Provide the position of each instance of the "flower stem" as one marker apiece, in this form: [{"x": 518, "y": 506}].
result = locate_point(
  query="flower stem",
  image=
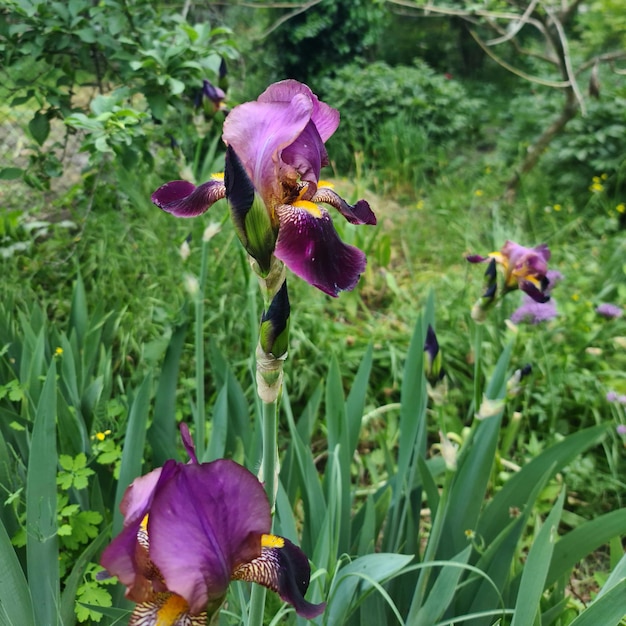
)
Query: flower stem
[
  {"x": 268, "y": 465},
  {"x": 199, "y": 417}
]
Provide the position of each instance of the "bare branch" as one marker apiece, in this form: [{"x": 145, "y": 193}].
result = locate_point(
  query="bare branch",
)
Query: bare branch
[
  {"x": 516, "y": 27},
  {"x": 287, "y": 17},
  {"x": 514, "y": 70},
  {"x": 567, "y": 61}
]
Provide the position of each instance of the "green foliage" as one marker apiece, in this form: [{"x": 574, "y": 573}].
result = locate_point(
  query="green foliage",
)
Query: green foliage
[
  {"x": 338, "y": 31},
  {"x": 146, "y": 63},
  {"x": 378, "y": 100}
]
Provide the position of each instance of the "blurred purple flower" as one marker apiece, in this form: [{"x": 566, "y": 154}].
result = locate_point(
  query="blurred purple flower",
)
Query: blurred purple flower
[
  {"x": 524, "y": 268},
  {"x": 531, "y": 312},
  {"x": 189, "y": 529},
  {"x": 611, "y": 396},
  {"x": 276, "y": 150},
  {"x": 610, "y": 311},
  {"x": 621, "y": 429}
]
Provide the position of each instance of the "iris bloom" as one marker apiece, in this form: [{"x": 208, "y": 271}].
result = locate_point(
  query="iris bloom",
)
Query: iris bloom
[
  {"x": 189, "y": 529},
  {"x": 276, "y": 148},
  {"x": 524, "y": 268}
]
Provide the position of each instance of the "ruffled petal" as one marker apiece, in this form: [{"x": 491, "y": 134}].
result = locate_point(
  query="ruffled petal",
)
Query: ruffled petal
[
  {"x": 310, "y": 247},
  {"x": 259, "y": 132},
  {"x": 283, "y": 568},
  {"x": 360, "y": 213},
  {"x": 183, "y": 199},
  {"x": 325, "y": 118},
  {"x": 205, "y": 522}
]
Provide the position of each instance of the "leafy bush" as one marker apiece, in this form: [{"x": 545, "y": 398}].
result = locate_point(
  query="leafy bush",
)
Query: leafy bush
[
  {"x": 414, "y": 98},
  {"x": 114, "y": 72}
]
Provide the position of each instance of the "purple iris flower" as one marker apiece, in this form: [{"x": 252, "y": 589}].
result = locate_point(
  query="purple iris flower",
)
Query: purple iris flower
[
  {"x": 610, "y": 311},
  {"x": 524, "y": 268},
  {"x": 278, "y": 142},
  {"x": 533, "y": 312},
  {"x": 189, "y": 529}
]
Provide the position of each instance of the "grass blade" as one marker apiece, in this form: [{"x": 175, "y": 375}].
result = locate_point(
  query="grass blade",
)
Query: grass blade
[
  {"x": 536, "y": 568},
  {"x": 162, "y": 435},
  {"x": 16, "y": 605},
  {"x": 42, "y": 548},
  {"x": 607, "y": 610},
  {"x": 583, "y": 541},
  {"x": 134, "y": 443}
]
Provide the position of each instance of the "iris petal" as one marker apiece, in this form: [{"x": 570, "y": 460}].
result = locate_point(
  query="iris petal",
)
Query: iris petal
[
  {"x": 283, "y": 568},
  {"x": 360, "y": 213},
  {"x": 205, "y": 522},
  {"x": 307, "y": 155},
  {"x": 310, "y": 247},
  {"x": 259, "y": 132},
  {"x": 183, "y": 199},
  {"x": 123, "y": 557},
  {"x": 325, "y": 118}
]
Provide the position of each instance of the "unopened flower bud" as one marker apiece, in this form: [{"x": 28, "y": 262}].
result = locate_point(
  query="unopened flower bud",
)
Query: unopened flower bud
[
  {"x": 432, "y": 358},
  {"x": 210, "y": 231},
  {"x": 249, "y": 213},
  {"x": 274, "y": 331},
  {"x": 489, "y": 408},
  {"x": 185, "y": 249},
  {"x": 192, "y": 286},
  {"x": 448, "y": 452}
]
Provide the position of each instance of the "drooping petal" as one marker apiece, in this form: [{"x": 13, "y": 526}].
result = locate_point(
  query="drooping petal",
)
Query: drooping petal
[
  {"x": 183, "y": 199},
  {"x": 283, "y": 568},
  {"x": 259, "y": 132},
  {"x": 360, "y": 213},
  {"x": 310, "y": 247},
  {"x": 204, "y": 522},
  {"x": 165, "y": 609}
]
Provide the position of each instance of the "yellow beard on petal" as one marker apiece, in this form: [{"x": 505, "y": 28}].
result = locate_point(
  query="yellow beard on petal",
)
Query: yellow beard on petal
[
  {"x": 272, "y": 541},
  {"x": 309, "y": 207}
]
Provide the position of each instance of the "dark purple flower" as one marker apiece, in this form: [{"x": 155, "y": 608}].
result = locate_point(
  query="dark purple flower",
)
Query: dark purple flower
[
  {"x": 610, "y": 311},
  {"x": 524, "y": 268},
  {"x": 189, "y": 529},
  {"x": 276, "y": 150}
]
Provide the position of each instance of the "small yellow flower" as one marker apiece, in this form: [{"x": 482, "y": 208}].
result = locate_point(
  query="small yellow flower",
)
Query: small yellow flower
[
  {"x": 621, "y": 207},
  {"x": 557, "y": 207},
  {"x": 479, "y": 192},
  {"x": 575, "y": 297},
  {"x": 101, "y": 436},
  {"x": 604, "y": 176},
  {"x": 58, "y": 351},
  {"x": 596, "y": 187},
  {"x": 470, "y": 534},
  {"x": 419, "y": 205},
  {"x": 487, "y": 170}
]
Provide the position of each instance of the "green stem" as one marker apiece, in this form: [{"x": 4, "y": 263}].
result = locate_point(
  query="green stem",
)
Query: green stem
[
  {"x": 268, "y": 465},
  {"x": 199, "y": 418},
  {"x": 478, "y": 346}
]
